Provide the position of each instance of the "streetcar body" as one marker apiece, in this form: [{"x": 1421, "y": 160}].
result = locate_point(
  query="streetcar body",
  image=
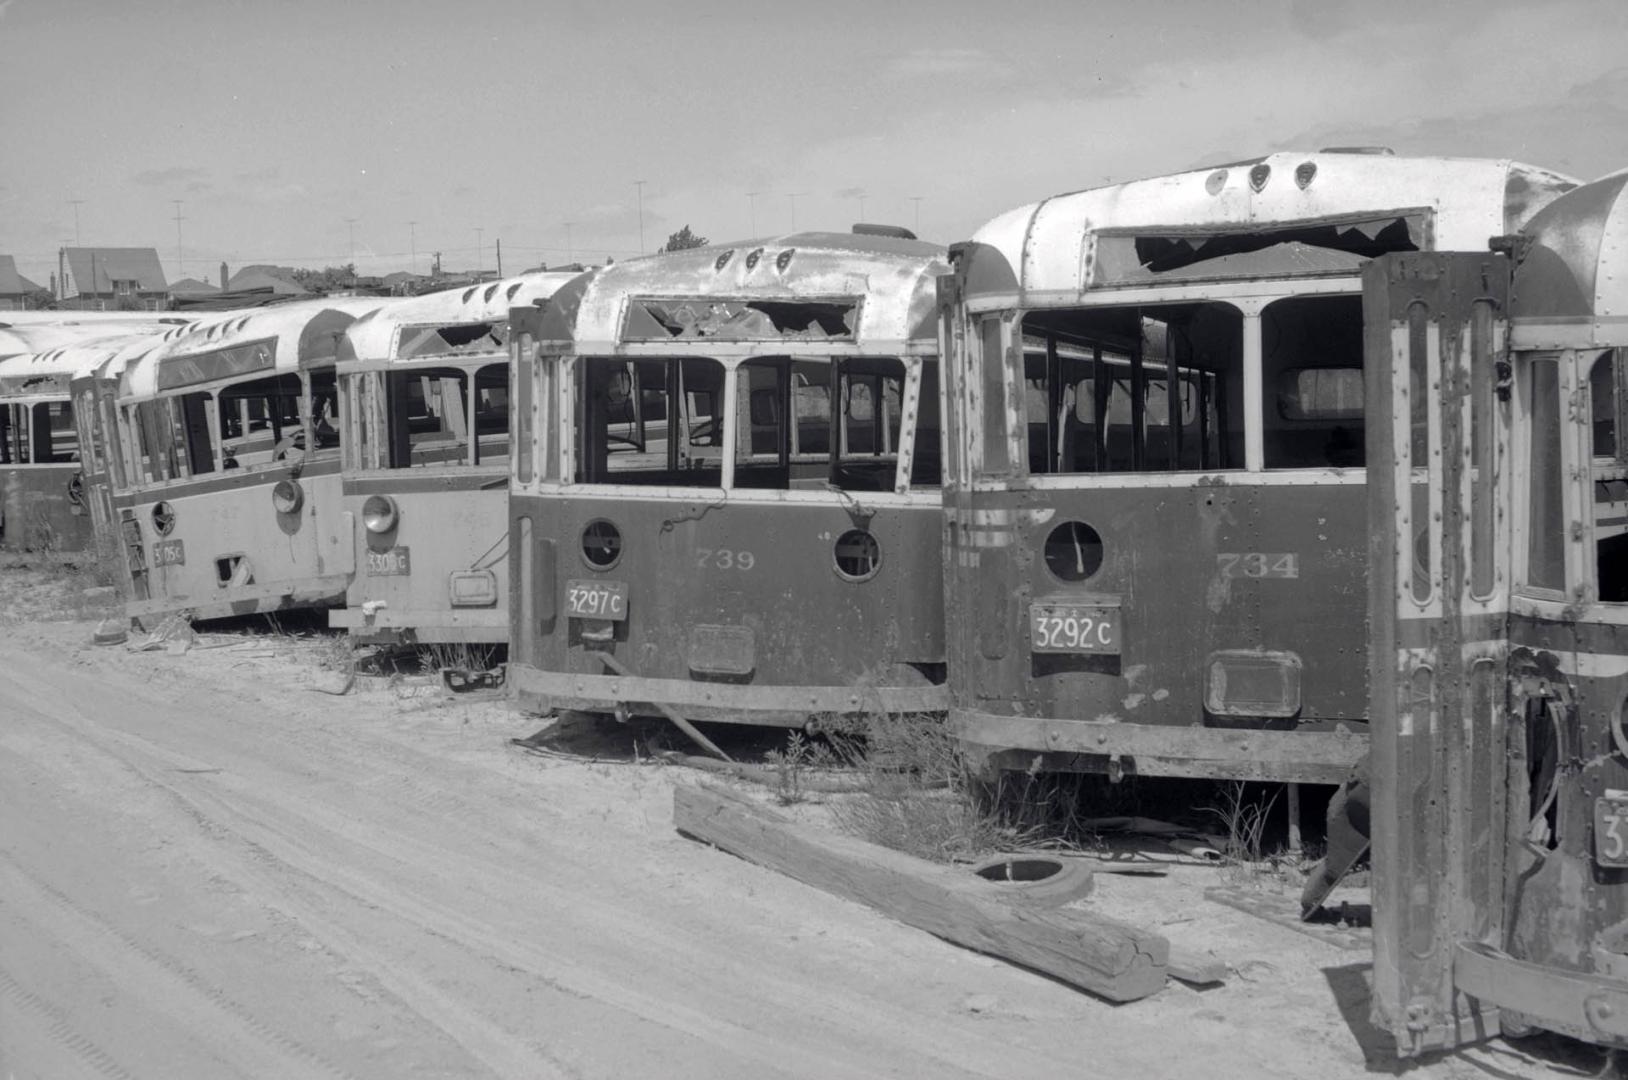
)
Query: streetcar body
[
  {"x": 729, "y": 506},
  {"x": 1156, "y": 519},
  {"x": 426, "y": 385},
  {"x": 229, "y": 500},
  {"x": 1499, "y": 661}
]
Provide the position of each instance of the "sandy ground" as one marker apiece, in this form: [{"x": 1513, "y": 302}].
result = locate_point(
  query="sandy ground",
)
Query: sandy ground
[{"x": 209, "y": 870}]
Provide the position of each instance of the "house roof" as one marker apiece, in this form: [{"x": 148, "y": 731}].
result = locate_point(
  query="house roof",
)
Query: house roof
[
  {"x": 192, "y": 285},
  {"x": 114, "y": 264},
  {"x": 11, "y": 282},
  {"x": 260, "y": 277}
]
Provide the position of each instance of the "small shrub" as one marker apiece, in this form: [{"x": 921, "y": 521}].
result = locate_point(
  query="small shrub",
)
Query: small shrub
[
  {"x": 792, "y": 764},
  {"x": 1245, "y": 820}
]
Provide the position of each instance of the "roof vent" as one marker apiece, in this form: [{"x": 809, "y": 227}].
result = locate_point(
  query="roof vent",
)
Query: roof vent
[
  {"x": 1383, "y": 151},
  {"x": 897, "y": 232}
]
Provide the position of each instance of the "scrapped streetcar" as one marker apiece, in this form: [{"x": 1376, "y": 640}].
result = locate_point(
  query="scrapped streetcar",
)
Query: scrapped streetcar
[
  {"x": 725, "y": 503},
  {"x": 1156, "y": 519},
  {"x": 228, "y": 495},
  {"x": 44, "y": 498},
  {"x": 1499, "y": 596},
  {"x": 426, "y": 387}
]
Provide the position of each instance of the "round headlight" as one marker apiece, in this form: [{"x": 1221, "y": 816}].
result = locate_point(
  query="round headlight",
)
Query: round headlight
[
  {"x": 601, "y": 544},
  {"x": 287, "y": 496},
  {"x": 1073, "y": 551},
  {"x": 379, "y": 513}
]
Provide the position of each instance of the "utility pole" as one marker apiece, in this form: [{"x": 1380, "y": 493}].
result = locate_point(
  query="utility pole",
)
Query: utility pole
[
  {"x": 751, "y": 202},
  {"x": 570, "y": 251},
  {"x": 351, "y": 223},
  {"x": 639, "y": 185},
  {"x": 479, "y": 250},
  {"x": 412, "y": 243},
  {"x": 794, "y": 196},
  {"x": 75, "y": 203},
  {"x": 179, "y": 273},
  {"x": 499, "y": 243},
  {"x": 917, "y": 200}
]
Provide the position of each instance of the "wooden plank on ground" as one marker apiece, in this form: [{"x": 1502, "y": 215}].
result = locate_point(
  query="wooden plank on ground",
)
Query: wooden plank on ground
[
  {"x": 1107, "y": 957},
  {"x": 1285, "y": 911}
]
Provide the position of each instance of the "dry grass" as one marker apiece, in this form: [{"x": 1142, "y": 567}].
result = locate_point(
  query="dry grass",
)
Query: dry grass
[{"x": 919, "y": 797}]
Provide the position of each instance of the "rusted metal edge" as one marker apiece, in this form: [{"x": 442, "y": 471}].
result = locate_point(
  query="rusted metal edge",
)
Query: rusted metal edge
[
  {"x": 610, "y": 690},
  {"x": 1589, "y": 1007},
  {"x": 248, "y": 600},
  {"x": 1317, "y": 757}
]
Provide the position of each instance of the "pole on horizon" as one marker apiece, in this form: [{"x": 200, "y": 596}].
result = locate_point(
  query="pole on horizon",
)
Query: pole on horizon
[
  {"x": 639, "y": 186},
  {"x": 179, "y": 271}
]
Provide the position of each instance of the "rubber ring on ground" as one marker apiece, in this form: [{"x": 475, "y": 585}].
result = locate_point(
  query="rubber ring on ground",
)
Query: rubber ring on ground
[{"x": 1038, "y": 879}]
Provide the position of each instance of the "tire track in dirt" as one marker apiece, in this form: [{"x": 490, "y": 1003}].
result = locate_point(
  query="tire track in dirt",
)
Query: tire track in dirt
[
  {"x": 953, "y": 1051},
  {"x": 151, "y": 967},
  {"x": 494, "y": 1047},
  {"x": 276, "y": 845},
  {"x": 56, "y": 1025}
]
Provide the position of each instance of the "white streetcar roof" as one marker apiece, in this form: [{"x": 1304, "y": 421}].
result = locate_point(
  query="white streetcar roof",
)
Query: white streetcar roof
[
  {"x": 377, "y": 336},
  {"x": 1112, "y": 235},
  {"x": 264, "y": 341}
]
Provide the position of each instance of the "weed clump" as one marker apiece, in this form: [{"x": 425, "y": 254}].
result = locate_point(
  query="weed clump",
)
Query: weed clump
[{"x": 919, "y": 797}]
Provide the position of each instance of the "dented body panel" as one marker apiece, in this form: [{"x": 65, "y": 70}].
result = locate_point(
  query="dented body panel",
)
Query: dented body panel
[
  {"x": 427, "y": 389},
  {"x": 229, "y": 503},
  {"x": 1156, "y": 388},
  {"x": 683, "y": 484}
]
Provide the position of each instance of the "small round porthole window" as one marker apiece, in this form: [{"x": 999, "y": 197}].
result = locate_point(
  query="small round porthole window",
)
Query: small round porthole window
[
  {"x": 858, "y": 555},
  {"x": 1073, "y": 551},
  {"x": 601, "y": 544},
  {"x": 163, "y": 518}
]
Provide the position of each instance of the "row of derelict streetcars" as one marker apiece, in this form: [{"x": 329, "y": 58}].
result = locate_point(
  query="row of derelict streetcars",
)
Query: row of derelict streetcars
[{"x": 1231, "y": 473}]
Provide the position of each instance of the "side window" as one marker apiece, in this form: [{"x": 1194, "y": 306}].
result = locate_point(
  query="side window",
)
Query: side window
[
  {"x": 200, "y": 439},
  {"x": 1610, "y": 478},
  {"x": 259, "y": 422},
  {"x": 926, "y": 463},
  {"x": 161, "y": 439},
  {"x": 1602, "y": 387},
  {"x": 1311, "y": 364},
  {"x": 1545, "y": 555},
  {"x": 492, "y": 415},
  {"x": 324, "y": 409},
  {"x": 649, "y": 422},
  {"x": 1129, "y": 389},
  {"x": 428, "y": 410}
]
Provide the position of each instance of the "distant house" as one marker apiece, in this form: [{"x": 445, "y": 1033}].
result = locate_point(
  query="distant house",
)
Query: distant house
[
  {"x": 192, "y": 287},
  {"x": 113, "y": 279},
  {"x": 265, "y": 277},
  {"x": 14, "y": 288}
]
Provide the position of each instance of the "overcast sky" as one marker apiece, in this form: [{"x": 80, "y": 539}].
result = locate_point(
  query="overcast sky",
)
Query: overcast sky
[{"x": 275, "y": 121}]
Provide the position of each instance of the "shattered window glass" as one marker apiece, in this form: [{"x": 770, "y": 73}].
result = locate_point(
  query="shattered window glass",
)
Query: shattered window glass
[{"x": 740, "y": 320}]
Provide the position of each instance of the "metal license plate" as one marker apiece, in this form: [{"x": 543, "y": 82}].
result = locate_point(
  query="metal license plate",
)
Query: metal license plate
[
  {"x": 596, "y": 600},
  {"x": 169, "y": 553},
  {"x": 1073, "y": 628},
  {"x": 1611, "y": 832},
  {"x": 394, "y": 561}
]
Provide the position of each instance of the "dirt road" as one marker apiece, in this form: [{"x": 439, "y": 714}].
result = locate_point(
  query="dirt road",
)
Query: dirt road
[{"x": 207, "y": 870}]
